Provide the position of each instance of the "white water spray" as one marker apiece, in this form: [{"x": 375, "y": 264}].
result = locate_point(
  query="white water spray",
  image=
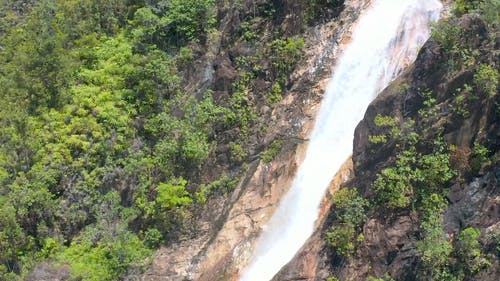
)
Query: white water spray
[{"x": 386, "y": 39}]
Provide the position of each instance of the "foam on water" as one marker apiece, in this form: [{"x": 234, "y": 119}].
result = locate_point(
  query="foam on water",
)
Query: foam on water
[{"x": 386, "y": 40}]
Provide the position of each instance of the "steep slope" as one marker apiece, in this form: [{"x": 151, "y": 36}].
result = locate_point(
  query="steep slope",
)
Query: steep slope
[
  {"x": 127, "y": 125},
  {"x": 426, "y": 160},
  {"x": 221, "y": 249}
]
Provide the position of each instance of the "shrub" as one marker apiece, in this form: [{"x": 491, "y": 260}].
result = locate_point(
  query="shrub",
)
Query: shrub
[
  {"x": 486, "y": 80},
  {"x": 349, "y": 207},
  {"x": 223, "y": 185},
  {"x": 393, "y": 186},
  {"x": 238, "y": 153},
  {"x": 188, "y": 20},
  {"x": 152, "y": 237},
  {"x": 284, "y": 55},
  {"x": 479, "y": 156},
  {"x": 341, "y": 237},
  {"x": 412, "y": 177},
  {"x": 446, "y": 34},
  {"x": 166, "y": 198},
  {"x": 377, "y": 139},
  {"x": 462, "y": 7},
  {"x": 271, "y": 152},
  {"x": 489, "y": 11},
  {"x": 274, "y": 96},
  {"x": 184, "y": 57},
  {"x": 194, "y": 148},
  {"x": 459, "y": 106},
  {"x": 106, "y": 260},
  {"x": 387, "y": 122},
  {"x": 469, "y": 251}
]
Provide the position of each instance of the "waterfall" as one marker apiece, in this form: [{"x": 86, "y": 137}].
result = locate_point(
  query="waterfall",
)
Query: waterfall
[{"x": 386, "y": 40}]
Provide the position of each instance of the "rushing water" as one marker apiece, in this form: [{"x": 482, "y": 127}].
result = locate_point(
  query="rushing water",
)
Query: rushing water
[{"x": 386, "y": 39}]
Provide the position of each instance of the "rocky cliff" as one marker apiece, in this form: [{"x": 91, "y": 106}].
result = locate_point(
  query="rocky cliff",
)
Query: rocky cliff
[
  {"x": 441, "y": 99},
  {"x": 227, "y": 227}
]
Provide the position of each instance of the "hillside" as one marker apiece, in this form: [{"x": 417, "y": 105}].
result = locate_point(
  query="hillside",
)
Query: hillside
[
  {"x": 152, "y": 140},
  {"x": 122, "y": 120}
]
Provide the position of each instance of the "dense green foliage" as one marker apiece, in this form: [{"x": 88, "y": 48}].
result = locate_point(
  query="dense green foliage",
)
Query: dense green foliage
[
  {"x": 489, "y": 9},
  {"x": 102, "y": 146},
  {"x": 98, "y": 136},
  {"x": 413, "y": 177}
]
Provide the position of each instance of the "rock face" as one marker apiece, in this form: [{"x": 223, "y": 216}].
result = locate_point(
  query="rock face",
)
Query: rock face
[
  {"x": 227, "y": 228},
  {"x": 390, "y": 236}
]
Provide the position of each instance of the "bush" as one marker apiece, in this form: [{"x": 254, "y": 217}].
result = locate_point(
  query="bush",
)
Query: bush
[
  {"x": 349, "y": 207},
  {"x": 341, "y": 237},
  {"x": 271, "y": 152},
  {"x": 223, "y": 185},
  {"x": 274, "y": 96},
  {"x": 165, "y": 204},
  {"x": 393, "y": 186},
  {"x": 106, "y": 260},
  {"x": 447, "y": 35},
  {"x": 180, "y": 21},
  {"x": 462, "y": 7},
  {"x": 350, "y": 210},
  {"x": 284, "y": 55},
  {"x": 489, "y": 11},
  {"x": 413, "y": 177},
  {"x": 194, "y": 148},
  {"x": 238, "y": 153},
  {"x": 152, "y": 237},
  {"x": 391, "y": 124},
  {"x": 486, "y": 80},
  {"x": 479, "y": 157},
  {"x": 377, "y": 139},
  {"x": 469, "y": 251}
]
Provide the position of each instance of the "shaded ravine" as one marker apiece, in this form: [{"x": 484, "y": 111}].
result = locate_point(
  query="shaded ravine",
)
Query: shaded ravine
[{"x": 385, "y": 41}]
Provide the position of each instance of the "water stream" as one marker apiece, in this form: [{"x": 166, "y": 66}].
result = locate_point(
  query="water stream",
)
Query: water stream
[{"x": 385, "y": 40}]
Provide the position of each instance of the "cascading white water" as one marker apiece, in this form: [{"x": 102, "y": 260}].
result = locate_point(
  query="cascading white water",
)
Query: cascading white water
[{"x": 385, "y": 40}]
